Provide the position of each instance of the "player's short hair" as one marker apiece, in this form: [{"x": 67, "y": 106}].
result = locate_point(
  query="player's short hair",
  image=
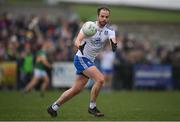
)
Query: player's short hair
[{"x": 102, "y": 8}]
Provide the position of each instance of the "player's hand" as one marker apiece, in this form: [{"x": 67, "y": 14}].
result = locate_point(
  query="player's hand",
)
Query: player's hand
[
  {"x": 81, "y": 48},
  {"x": 114, "y": 45}
]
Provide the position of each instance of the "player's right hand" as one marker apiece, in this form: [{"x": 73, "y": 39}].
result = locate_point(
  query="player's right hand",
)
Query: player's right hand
[{"x": 81, "y": 48}]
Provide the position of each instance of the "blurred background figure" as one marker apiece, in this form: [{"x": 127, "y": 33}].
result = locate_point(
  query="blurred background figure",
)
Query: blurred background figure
[
  {"x": 41, "y": 63},
  {"x": 26, "y": 64},
  {"x": 107, "y": 64}
]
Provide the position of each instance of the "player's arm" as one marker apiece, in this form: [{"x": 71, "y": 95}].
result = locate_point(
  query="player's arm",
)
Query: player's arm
[
  {"x": 113, "y": 43},
  {"x": 44, "y": 61},
  {"x": 78, "y": 41},
  {"x": 112, "y": 39}
]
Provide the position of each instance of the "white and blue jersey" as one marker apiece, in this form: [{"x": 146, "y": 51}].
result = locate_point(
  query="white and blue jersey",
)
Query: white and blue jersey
[{"x": 93, "y": 46}]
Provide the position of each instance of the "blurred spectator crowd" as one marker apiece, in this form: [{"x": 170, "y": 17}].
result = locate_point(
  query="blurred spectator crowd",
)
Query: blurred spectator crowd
[
  {"x": 143, "y": 52},
  {"x": 27, "y": 33},
  {"x": 18, "y": 34},
  {"x": 22, "y": 36}
]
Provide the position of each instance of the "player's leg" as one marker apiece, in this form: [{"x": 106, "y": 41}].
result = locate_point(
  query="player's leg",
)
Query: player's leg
[
  {"x": 109, "y": 80},
  {"x": 105, "y": 81},
  {"x": 98, "y": 77},
  {"x": 108, "y": 73},
  {"x": 36, "y": 77},
  {"x": 78, "y": 85},
  {"x": 44, "y": 85},
  {"x": 31, "y": 84},
  {"x": 45, "y": 82}
]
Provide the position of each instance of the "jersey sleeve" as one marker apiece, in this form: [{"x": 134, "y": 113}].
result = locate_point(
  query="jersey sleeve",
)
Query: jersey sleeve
[
  {"x": 81, "y": 31},
  {"x": 112, "y": 34}
]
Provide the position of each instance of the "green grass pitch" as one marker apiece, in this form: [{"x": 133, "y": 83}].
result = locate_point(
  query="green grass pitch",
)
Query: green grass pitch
[
  {"x": 117, "y": 105},
  {"x": 119, "y": 14},
  {"x": 127, "y": 14}
]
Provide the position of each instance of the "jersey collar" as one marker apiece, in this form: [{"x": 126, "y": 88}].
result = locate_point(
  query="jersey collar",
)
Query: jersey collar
[{"x": 98, "y": 25}]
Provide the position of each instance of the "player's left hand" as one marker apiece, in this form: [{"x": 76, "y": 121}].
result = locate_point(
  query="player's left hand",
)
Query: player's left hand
[{"x": 114, "y": 45}]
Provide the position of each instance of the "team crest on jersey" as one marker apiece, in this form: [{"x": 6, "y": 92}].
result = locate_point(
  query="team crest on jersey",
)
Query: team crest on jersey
[{"x": 105, "y": 32}]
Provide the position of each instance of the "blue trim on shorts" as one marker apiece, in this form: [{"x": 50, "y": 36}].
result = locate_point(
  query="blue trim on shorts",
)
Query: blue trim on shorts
[{"x": 82, "y": 63}]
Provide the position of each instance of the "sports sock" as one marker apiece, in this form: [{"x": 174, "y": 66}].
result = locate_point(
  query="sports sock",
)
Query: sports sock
[
  {"x": 55, "y": 106},
  {"x": 92, "y": 104}
]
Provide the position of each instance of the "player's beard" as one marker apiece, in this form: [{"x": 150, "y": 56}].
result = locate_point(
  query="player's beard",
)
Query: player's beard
[{"x": 102, "y": 23}]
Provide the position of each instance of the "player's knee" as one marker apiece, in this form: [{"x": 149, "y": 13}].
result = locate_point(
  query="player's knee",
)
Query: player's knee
[
  {"x": 101, "y": 80},
  {"x": 76, "y": 90}
]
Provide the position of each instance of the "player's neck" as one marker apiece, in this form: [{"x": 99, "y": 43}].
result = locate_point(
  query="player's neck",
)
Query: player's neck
[{"x": 100, "y": 26}]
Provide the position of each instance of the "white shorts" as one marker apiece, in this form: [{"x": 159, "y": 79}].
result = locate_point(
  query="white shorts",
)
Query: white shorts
[{"x": 39, "y": 73}]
